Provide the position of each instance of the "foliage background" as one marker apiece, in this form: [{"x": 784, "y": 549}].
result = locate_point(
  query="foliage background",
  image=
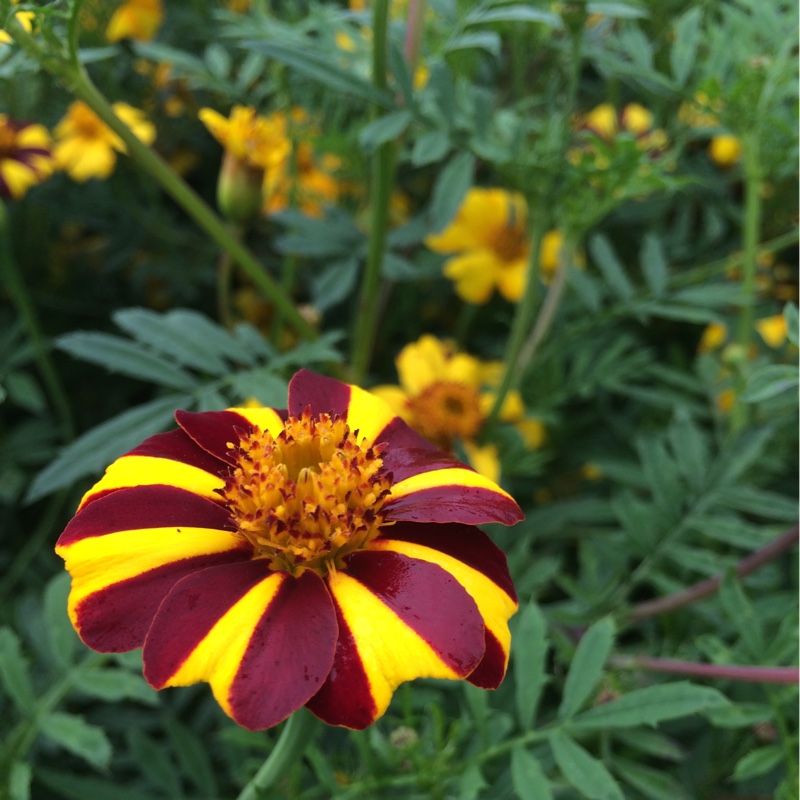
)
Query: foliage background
[{"x": 664, "y": 463}]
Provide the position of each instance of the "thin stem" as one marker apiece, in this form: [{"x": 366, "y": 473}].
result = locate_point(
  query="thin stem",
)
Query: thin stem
[
  {"x": 727, "y": 672},
  {"x": 15, "y": 285},
  {"x": 707, "y": 587},
  {"x": 380, "y": 192},
  {"x": 414, "y": 26},
  {"x": 295, "y": 737}
]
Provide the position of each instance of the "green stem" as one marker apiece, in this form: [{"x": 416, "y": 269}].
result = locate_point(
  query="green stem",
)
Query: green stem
[
  {"x": 15, "y": 285},
  {"x": 753, "y": 184},
  {"x": 787, "y": 740},
  {"x": 75, "y": 78},
  {"x": 380, "y": 192},
  {"x": 295, "y": 736}
]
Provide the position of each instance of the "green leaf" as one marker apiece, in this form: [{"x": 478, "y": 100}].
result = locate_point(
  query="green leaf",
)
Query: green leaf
[
  {"x": 113, "y": 685},
  {"x": 761, "y": 502},
  {"x": 651, "y": 742},
  {"x": 14, "y": 672},
  {"x": 529, "y": 653},
  {"x": 471, "y": 783},
  {"x": 770, "y": 381},
  {"x": 193, "y": 757},
  {"x": 334, "y": 283},
  {"x": 741, "y": 613},
  {"x": 652, "y": 783},
  {"x": 740, "y": 715},
  {"x": 19, "y": 782},
  {"x": 792, "y": 323},
  {"x": 685, "y": 38},
  {"x": 606, "y": 259},
  {"x": 654, "y": 264},
  {"x": 675, "y": 311},
  {"x": 125, "y": 357},
  {"x": 758, "y": 762},
  {"x": 62, "y": 638},
  {"x": 480, "y": 40},
  {"x": 384, "y": 129},
  {"x": 651, "y": 705},
  {"x": 515, "y": 13},
  {"x": 530, "y": 782},
  {"x": 67, "y": 784},
  {"x": 25, "y": 392},
  {"x": 154, "y": 762},
  {"x": 618, "y": 10},
  {"x": 587, "y": 665},
  {"x": 261, "y": 384},
  {"x": 430, "y": 146},
  {"x": 77, "y": 736},
  {"x": 215, "y": 339},
  {"x": 690, "y": 449},
  {"x": 97, "y": 448},
  {"x": 318, "y": 67},
  {"x": 587, "y": 288},
  {"x": 450, "y": 188},
  {"x": 582, "y": 770}
]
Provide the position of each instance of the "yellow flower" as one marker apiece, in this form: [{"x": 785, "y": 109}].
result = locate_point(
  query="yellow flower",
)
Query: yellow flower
[
  {"x": 489, "y": 245},
  {"x": 446, "y": 396},
  {"x": 25, "y": 156},
  {"x": 135, "y": 19},
  {"x": 725, "y": 150},
  {"x": 87, "y": 148},
  {"x": 773, "y": 330},
  {"x": 714, "y": 336},
  {"x": 603, "y": 121},
  {"x": 25, "y": 18}
]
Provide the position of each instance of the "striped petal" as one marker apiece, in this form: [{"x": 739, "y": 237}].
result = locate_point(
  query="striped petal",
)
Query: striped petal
[
  {"x": 172, "y": 459},
  {"x": 125, "y": 552},
  {"x": 264, "y": 640},
  {"x": 399, "y": 618},
  {"x": 480, "y": 567}
]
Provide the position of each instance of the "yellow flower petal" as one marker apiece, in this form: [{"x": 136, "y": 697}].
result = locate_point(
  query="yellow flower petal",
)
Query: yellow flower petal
[
  {"x": 484, "y": 460},
  {"x": 773, "y": 330}
]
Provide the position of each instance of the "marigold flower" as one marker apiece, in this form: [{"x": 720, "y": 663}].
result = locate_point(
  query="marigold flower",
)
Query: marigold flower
[
  {"x": 135, "y": 19},
  {"x": 714, "y": 336},
  {"x": 319, "y": 555},
  {"x": 25, "y": 156},
  {"x": 725, "y": 150},
  {"x": 773, "y": 330},
  {"x": 87, "y": 148},
  {"x": 489, "y": 245}
]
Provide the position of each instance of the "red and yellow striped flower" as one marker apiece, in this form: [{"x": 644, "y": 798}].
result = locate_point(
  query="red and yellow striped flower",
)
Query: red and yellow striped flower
[
  {"x": 26, "y": 156},
  {"x": 319, "y": 556}
]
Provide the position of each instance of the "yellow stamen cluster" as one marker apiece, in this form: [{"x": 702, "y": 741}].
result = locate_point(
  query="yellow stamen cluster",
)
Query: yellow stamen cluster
[
  {"x": 447, "y": 410},
  {"x": 308, "y": 497}
]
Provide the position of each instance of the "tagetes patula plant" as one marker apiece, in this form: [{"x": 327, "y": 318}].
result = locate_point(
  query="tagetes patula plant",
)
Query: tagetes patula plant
[
  {"x": 315, "y": 556},
  {"x": 26, "y": 156},
  {"x": 135, "y": 19},
  {"x": 724, "y": 149},
  {"x": 488, "y": 245},
  {"x": 87, "y": 148},
  {"x": 446, "y": 396}
]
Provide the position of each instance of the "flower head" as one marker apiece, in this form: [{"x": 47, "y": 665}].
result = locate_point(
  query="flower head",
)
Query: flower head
[
  {"x": 488, "y": 243},
  {"x": 25, "y": 156},
  {"x": 87, "y": 148},
  {"x": 319, "y": 556},
  {"x": 135, "y": 19}
]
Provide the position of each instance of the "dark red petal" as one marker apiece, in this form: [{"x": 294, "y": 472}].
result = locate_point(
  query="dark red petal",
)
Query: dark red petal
[
  {"x": 116, "y": 619},
  {"x": 490, "y": 672},
  {"x": 289, "y": 657},
  {"x": 214, "y": 430},
  {"x": 135, "y": 507},
  {"x": 470, "y": 505},
  {"x": 407, "y": 453},
  {"x": 190, "y": 610},
  {"x": 177, "y": 446},
  {"x": 345, "y": 698},
  {"x": 468, "y": 544},
  {"x": 324, "y": 395}
]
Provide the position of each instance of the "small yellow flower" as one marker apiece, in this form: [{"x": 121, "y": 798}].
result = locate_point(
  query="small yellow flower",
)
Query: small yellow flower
[
  {"x": 713, "y": 337},
  {"x": 87, "y": 148},
  {"x": 488, "y": 244},
  {"x": 135, "y": 19},
  {"x": 725, "y": 150},
  {"x": 25, "y": 156},
  {"x": 773, "y": 330},
  {"x": 603, "y": 121},
  {"x": 725, "y": 401}
]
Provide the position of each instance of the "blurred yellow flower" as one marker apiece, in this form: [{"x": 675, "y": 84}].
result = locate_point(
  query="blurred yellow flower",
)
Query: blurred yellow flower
[
  {"x": 446, "y": 396},
  {"x": 489, "y": 245},
  {"x": 87, "y": 148},
  {"x": 773, "y": 330},
  {"x": 713, "y": 337},
  {"x": 604, "y": 121},
  {"x": 25, "y": 156},
  {"x": 135, "y": 19},
  {"x": 725, "y": 150}
]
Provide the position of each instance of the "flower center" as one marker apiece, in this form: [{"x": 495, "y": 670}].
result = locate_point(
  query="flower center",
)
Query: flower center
[
  {"x": 8, "y": 141},
  {"x": 446, "y": 410},
  {"x": 510, "y": 242},
  {"x": 308, "y": 497}
]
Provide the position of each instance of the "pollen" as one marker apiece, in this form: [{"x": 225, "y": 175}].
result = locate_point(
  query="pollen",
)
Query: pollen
[
  {"x": 447, "y": 410},
  {"x": 309, "y": 496}
]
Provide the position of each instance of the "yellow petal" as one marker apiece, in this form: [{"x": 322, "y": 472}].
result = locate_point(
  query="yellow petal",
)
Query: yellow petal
[
  {"x": 484, "y": 459},
  {"x": 474, "y": 274}
]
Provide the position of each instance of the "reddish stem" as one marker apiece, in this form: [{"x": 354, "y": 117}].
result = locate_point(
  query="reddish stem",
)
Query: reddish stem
[{"x": 730, "y": 672}]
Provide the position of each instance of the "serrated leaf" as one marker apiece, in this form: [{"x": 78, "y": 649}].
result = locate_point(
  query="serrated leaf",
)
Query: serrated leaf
[
  {"x": 758, "y": 762},
  {"x": 113, "y": 685},
  {"x": 77, "y": 736},
  {"x": 261, "y": 384},
  {"x": 587, "y": 666},
  {"x": 527, "y": 777},
  {"x": 651, "y": 705},
  {"x": 741, "y": 614},
  {"x": 62, "y": 638},
  {"x": 588, "y": 775},
  {"x": 652, "y": 783},
  {"x": 654, "y": 264},
  {"x": 685, "y": 39},
  {"x": 770, "y": 381},
  {"x": 14, "y": 672},
  {"x": 214, "y": 338},
  {"x": 529, "y": 653},
  {"x": 318, "y": 67},
  {"x": 689, "y": 448},
  {"x": 98, "y": 447},
  {"x": 193, "y": 757},
  {"x": 606, "y": 259},
  {"x": 384, "y": 129},
  {"x": 450, "y": 188},
  {"x": 652, "y": 743},
  {"x": 761, "y": 502},
  {"x": 334, "y": 283},
  {"x": 125, "y": 357}
]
